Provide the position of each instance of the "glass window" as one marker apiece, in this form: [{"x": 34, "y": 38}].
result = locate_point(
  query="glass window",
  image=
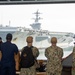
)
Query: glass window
[{"x": 42, "y": 21}]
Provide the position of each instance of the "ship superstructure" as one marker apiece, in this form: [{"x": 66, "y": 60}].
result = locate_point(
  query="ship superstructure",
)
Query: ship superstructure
[
  {"x": 36, "y": 25},
  {"x": 7, "y": 29}
]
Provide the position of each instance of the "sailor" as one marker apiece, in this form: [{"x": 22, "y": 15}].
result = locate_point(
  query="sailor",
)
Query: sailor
[
  {"x": 54, "y": 56},
  {"x": 0, "y": 43},
  {"x": 0, "y": 40},
  {"x": 8, "y": 51},
  {"x": 28, "y": 55},
  {"x": 73, "y": 61},
  {"x": 0, "y": 53}
]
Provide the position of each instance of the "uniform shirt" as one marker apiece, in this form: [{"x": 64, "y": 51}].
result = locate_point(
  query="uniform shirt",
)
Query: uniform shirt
[
  {"x": 0, "y": 46},
  {"x": 73, "y": 59},
  {"x": 8, "y": 49},
  {"x": 54, "y": 57}
]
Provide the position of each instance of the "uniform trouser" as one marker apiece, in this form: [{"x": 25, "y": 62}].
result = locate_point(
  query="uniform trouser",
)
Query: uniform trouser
[
  {"x": 73, "y": 72},
  {"x": 56, "y": 73},
  {"x": 8, "y": 70},
  {"x": 0, "y": 68},
  {"x": 28, "y": 71}
]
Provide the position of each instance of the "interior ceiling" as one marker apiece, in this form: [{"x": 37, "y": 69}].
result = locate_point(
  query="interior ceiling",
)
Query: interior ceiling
[{"x": 34, "y": 1}]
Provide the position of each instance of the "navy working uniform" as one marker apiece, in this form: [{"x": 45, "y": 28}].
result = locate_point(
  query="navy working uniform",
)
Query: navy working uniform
[
  {"x": 8, "y": 50},
  {"x": 0, "y": 53}
]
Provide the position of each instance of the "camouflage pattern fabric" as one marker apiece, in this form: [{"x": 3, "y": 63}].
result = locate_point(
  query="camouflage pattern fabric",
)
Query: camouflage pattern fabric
[
  {"x": 31, "y": 70},
  {"x": 73, "y": 62},
  {"x": 54, "y": 57},
  {"x": 73, "y": 72},
  {"x": 28, "y": 71}
]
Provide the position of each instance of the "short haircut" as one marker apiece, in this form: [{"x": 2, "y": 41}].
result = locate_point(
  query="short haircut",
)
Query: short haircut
[
  {"x": 9, "y": 36},
  {"x": 29, "y": 39}
]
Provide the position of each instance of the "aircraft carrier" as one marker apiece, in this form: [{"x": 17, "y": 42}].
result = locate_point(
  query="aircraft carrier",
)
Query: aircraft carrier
[
  {"x": 42, "y": 40},
  {"x": 41, "y": 37}
]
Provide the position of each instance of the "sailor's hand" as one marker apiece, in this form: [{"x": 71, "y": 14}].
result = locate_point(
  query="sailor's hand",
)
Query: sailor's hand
[{"x": 24, "y": 55}]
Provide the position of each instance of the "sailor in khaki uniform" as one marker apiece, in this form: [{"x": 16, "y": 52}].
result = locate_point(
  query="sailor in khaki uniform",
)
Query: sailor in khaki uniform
[
  {"x": 29, "y": 53},
  {"x": 54, "y": 56}
]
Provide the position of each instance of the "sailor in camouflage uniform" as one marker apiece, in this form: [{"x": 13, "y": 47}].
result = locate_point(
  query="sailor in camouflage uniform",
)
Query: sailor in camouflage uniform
[
  {"x": 54, "y": 56},
  {"x": 31, "y": 70},
  {"x": 73, "y": 61}
]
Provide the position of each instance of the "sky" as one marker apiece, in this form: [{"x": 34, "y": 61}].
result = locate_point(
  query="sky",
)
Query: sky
[{"x": 55, "y": 17}]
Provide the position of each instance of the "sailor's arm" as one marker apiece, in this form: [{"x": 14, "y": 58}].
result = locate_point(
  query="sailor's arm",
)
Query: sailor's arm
[
  {"x": 17, "y": 60},
  {"x": 61, "y": 53},
  {"x": 35, "y": 52},
  {"x": 46, "y": 53},
  {"x": 0, "y": 55},
  {"x": 73, "y": 54},
  {"x": 16, "y": 56}
]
